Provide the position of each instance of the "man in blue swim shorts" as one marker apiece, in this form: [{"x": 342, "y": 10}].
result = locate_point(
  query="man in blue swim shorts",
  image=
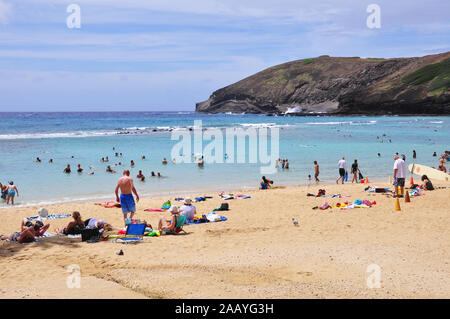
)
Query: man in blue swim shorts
[{"x": 126, "y": 186}]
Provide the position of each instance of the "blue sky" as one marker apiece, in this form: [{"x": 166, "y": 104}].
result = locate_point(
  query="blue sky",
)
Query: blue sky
[{"x": 169, "y": 54}]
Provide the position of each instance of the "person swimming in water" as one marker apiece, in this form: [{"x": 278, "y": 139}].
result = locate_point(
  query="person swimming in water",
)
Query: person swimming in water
[
  {"x": 67, "y": 170},
  {"x": 110, "y": 170},
  {"x": 79, "y": 170},
  {"x": 140, "y": 176},
  {"x": 12, "y": 191}
]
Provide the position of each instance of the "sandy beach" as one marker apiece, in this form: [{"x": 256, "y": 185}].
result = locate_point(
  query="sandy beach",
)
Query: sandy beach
[{"x": 256, "y": 253}]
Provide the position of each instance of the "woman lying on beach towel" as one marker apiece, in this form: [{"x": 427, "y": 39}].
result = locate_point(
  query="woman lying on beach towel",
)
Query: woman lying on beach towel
[
  {"x": 28, "y": 233},
  {"x": 109, "y": 204},
  {"x": 96, "y": 223},
  {"x": 73, "y": 228}
]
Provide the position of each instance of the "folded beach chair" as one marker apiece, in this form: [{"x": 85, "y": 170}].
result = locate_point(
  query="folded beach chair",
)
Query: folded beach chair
[
  {"x": 135, "y": 233},
  {"x": 178, "y": 227}
]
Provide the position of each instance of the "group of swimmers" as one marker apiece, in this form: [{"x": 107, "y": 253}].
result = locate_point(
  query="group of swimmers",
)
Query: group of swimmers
[
  {"x": 284, "y": 163},
  {"x": 444, "y": 158}
]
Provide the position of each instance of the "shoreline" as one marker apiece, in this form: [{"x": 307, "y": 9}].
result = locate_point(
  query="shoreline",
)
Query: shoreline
[{"x": 100, "y": 197}]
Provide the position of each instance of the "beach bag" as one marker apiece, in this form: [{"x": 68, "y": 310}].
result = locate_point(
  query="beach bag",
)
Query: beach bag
[
  {"x": 75, "y": 230},
  {"x": 223, "y": 206},
  {"x": 90, "y": 234},
  {"x": 361, "y": 176}
]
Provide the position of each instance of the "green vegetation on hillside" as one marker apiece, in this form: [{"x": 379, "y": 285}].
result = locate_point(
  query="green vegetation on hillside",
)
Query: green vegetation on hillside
[
  {"x": 308, "y": 61},
  {"x": 437, "y": 73}
]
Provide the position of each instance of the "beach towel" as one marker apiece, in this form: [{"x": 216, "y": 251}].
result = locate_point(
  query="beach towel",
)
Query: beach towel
[
  {"x": 222, "y": 207},
  {"x": 166, "y": 205},
  {"x": 206, "y": 220},
  {"x": 153, "y": 210},
  {"x": 50, "y": 217}
]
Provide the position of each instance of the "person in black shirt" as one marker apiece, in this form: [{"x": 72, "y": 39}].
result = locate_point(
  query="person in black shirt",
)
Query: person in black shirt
[{"x": 355, "y": 171}]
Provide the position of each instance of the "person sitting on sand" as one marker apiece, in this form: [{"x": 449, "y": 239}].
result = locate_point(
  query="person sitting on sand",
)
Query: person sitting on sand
[
  {"x": 11, "y": 191},
  {"x": 164, "y": 161},
  {"x": 426, "y": 185},
  {"x": 28, "y": 232},
  {"x": 73, "y": 228},
  {"x": 265, "y": 183},
  {"x": 67, "y": 170},
  {"x": 188, "y": 209},
  {"x": 169, "y": 224}
]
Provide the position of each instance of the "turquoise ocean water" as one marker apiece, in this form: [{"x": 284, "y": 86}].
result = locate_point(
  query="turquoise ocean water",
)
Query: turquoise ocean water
[{"x": 90, "y": 136}]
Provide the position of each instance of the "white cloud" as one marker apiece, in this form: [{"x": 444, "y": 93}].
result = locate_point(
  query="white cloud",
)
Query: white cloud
[{"x": 5, "y": 12}]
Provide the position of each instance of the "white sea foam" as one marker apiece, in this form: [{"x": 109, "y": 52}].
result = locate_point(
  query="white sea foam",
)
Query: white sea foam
[{"x": 56, "y": 135}]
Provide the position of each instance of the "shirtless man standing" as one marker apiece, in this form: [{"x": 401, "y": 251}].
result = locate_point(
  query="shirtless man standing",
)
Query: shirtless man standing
[{"x": 126, "y": 186}]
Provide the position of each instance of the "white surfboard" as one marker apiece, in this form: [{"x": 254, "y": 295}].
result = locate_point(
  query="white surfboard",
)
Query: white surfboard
[{"x": 432, "y": 173}]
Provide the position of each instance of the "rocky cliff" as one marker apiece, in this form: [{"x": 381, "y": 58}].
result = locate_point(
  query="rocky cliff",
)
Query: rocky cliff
[{"x": 329, "y": 85}]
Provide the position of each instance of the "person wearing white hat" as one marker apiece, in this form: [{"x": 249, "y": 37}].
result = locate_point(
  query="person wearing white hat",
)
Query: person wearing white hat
[
  {"x": 169, "y": 224},
  {"x": 43, "y": 212},
  {"x": 188, "y": 209}
]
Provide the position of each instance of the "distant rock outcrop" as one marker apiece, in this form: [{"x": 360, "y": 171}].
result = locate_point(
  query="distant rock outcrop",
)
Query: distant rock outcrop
[{"x": 329, "y": 85}]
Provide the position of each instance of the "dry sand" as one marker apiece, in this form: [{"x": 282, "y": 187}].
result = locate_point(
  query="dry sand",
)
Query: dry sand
[{"x": 257, "y": 253}]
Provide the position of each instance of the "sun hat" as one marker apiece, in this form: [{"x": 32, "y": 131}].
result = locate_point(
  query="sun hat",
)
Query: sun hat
[
  {"x": 187, "y": 201},
  {"x": 173, "y": 209},
  {"x": 43, "y": 212}
]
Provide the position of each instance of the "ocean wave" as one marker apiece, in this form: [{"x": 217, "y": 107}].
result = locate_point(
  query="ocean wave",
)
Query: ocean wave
[
  {"x": 135, "y": 130},
  {"x": 76, "y": 134},
  {"x": 342, "y": 123}
]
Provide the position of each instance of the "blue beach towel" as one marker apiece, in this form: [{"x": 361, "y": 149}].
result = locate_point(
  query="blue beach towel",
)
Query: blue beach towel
[{"x": 50, "y": 217}]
